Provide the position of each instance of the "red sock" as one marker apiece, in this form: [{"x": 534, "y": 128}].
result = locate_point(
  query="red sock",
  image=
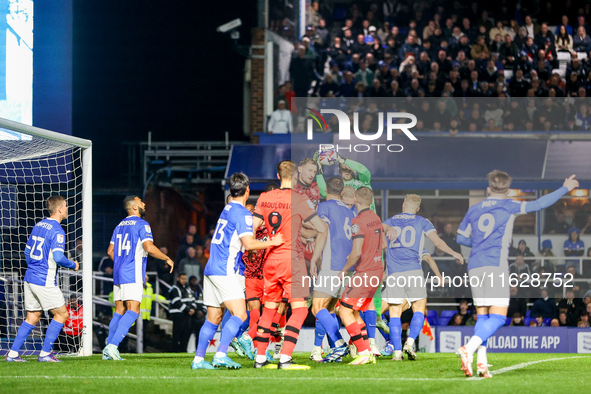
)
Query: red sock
[
  {"x": 275, "y": 325},
  {"x": 363, "y": 329},
  {"x": 265, "y": 326},
  {"x": 282, "y": 320},
  {"x": 255, "y": 315},
  {"x": 292, "y": 329},
  {"x": 355, "y": 332}
]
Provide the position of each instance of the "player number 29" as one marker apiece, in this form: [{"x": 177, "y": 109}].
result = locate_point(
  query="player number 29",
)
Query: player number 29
[{"x": 486, "y": 224}]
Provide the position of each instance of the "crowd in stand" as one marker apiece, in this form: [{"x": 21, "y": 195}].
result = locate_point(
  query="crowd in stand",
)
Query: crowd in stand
[{"x": 446, "y": 50}]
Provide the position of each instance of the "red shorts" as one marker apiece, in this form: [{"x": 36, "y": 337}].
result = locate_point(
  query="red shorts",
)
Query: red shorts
[
  {"x": 359, "y": 293},
  {"x": 285, "y": 280},
  {"x": 255, "y": 289}
]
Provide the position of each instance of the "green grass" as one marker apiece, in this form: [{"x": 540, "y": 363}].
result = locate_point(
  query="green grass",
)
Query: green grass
[{"x": 171, "y": 373}]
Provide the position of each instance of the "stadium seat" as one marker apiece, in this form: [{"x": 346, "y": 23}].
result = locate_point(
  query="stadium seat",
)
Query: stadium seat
[
  {"x": 508, "y": 321},
  {"x": 560, "y": 72},
  {"x": 582, "y": 55},
  {"x": 442, "y": 321},
  {"x": 547, "y": 321},
  {"x": 526, "y": 320},
  {"x": 432, "y": 313},
  {"x": 528, "y": 314},
  {"x": 508, "y": 74},
  {"x": 432, "y": 321},
  {"x": 563, "y": 56},
  {"x": 448, "y": 314}
]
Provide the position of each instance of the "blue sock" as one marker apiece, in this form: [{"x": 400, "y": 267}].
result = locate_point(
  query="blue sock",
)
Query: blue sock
[
  {"x": 489, "y": 326},
  {"x": 319, "y": 333},
  {"x": 123, "y": 327},
  {"x": 336, "y": 319},
  {"x": 245, "y": 325},
  {"x": 330, "y": 325},
  {"x": 370, "y": 322},
  {"x": 206, "y": 334},
  {"x": 51, "y": 334},
  {"x": 416, "y": 324},
  {"x": 21, "y": 336},
  {"x": 396, "y": 332},
  {"x": 481, "y": 319},
  {"x": 113, "y": 326},
  {"x": 229, "y": 332},
  {"x": 227, "y": 316}
]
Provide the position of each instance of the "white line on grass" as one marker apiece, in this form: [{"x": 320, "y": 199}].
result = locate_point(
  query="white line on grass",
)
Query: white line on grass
[{"x": 524, "y": 365}]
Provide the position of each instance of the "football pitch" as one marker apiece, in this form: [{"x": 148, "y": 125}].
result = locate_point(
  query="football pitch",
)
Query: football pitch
[{"x": 171, "y": 373}]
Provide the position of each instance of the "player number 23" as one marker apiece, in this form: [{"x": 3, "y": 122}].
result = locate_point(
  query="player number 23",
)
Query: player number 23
[
  {"x": 37, "y": 249},
  {"x": 486, "y": 224}
]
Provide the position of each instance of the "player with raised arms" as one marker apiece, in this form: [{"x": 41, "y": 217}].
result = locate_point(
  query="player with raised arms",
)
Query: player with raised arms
[
  {"x": 330, "y": 256},
  {"x": 44, "y": 252},
  {"x": 366, "y": 256},
  {"x": 130, "y": 245},
  {"x": 283, "y": 211},
  {"x": 224, "y": 283},
  {"x": 487, "y": 228},
  {"x": 406, "y": 235},
  {"x": 356, "y": 175}
]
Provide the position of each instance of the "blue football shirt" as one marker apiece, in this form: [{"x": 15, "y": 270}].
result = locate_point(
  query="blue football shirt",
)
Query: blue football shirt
[
  {"x": 406, "y": 251},
  {"x": 339, "y": 243},
  {"x": 225, "y": 255},
  {"x": 130, "y": 261},
  {"x": 46, "y": 237}
]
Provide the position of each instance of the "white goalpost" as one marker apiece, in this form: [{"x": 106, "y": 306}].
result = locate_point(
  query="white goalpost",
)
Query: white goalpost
[{"x": 35, "y": 164}]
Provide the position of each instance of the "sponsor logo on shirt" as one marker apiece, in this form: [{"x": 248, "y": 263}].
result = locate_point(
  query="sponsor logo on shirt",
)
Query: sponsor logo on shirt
[
  {"x": 248, "y": 220},
  {"x": 355, "y": 228},
  {"x": 148, "y": 228},
  {"x": 60, "y": 239}
]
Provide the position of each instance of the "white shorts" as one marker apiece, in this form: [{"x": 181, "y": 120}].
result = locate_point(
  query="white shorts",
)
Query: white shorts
[
  {"x": 400, "y": 285},
  {"x": 42, "y": 298},
  {"x": 128, "y": 292},
  {"x": 494, "y": 290},
  {"x": 328, "y": 282},
  {"x": 219, "y": 289}
]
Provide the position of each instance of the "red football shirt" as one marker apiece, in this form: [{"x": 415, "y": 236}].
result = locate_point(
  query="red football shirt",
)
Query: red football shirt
[
  {"x": 367, "y": 225},
  {"x": 312, "y": 192},
  {"x": 283, "y": 211}
]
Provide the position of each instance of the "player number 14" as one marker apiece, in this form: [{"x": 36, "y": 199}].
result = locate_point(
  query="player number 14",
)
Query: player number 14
[{"x": 125, "y": 245}]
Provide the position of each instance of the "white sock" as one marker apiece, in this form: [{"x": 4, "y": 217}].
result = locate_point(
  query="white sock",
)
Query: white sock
[
  {"x": 410, "y": 341},
  {"x": 261, "y": 359},
  {"x": 481, "y": 357},
  {"x": 43, "y": 354},
  {"x": 473, "y": 344},
  {"x": 12, "y": 354},
  {"x": 284, "y": 358},
  {"x": 197, "y": 359},
  {"x": 339, "y": 343},
  {"x": 372, "y": 341},
  {"x": 364, "y": 353},
  {"x": 220, "y": 354},
  {"x": 397, "y": 353},
  {"x": 317, "y": 348}
]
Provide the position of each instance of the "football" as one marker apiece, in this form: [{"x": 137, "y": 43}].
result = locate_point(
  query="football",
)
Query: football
[{"x": 328, "y": 157}]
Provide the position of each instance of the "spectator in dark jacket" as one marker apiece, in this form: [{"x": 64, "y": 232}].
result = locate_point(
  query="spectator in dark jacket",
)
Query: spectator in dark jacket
[
  {"x": 544, "y": 306},
  {"x": 302, "y": 73},
  {"x": 182, "y": 308},
  {"x": 508, "y": 53},
  {"x": 581, "y": 41}
]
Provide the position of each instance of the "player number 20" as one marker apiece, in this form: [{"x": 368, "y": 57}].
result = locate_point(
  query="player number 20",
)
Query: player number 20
[
  {"x": 486, "y": 224},
  {"x": 403, "y": 237}
]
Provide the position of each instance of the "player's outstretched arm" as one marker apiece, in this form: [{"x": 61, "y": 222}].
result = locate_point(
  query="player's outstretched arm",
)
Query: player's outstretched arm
[
  {"x": 548, "y": 200},
  {"x": 251, "y": 243},
  {"x": 157, "y": 254},
  {"x": 434, "y": 267},
  {"x": 390, "y": 232},
  {"x": 319, "y": 225},
  {"x": 62, "y": 260},
  {"x": 364, "y": 173},
  {"x": 354, "y": 256},
  {"x": 439, "y": 243}
]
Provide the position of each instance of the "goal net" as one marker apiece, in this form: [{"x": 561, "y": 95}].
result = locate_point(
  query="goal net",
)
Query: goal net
[{"x": 34, "y": 165}]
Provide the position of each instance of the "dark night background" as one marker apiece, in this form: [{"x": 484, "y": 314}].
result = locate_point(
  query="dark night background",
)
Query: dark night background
[{"x": 157, "y": 66}]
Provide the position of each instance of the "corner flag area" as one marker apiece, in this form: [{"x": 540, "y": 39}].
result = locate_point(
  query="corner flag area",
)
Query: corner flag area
[{"x": 436, "y": 372}]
